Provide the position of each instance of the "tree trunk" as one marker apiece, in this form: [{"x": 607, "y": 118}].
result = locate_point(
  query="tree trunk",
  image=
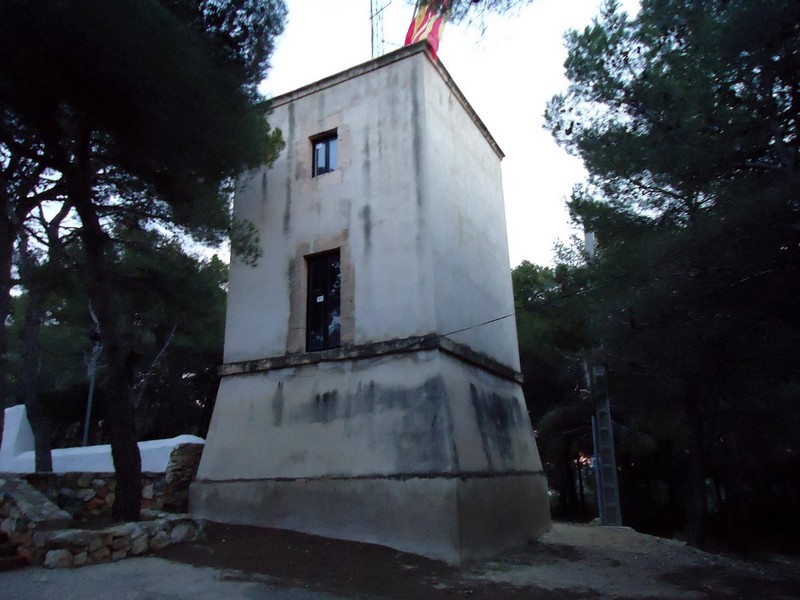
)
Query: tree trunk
[
  {"x": 13, "y": 211},
  {"x": 736, "y": 522},
  {"x": 579, "y": 467},
  {"x": 124, "y": 450},
  {"x": 569, "y": 494},
  {"x": 696, "y": 509},
  {"x": 6, "y": 253},
  {"x": 40, "y": 421}
]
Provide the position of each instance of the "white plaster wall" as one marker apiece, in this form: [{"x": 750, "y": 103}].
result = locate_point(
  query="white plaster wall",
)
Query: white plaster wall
[
  {"x": 426, "y": 413},
  {"x": 466, "y": 216},
  {"x": 492, "y": 429},
  {"x": 377, "y": 419},
  {"x": 371, "y": 201},
  {"x": 17, "y": 450},
  {"x": 456, "y": 519},
  {"x": 419, "y": 451},
  {"x": 17, "y": 436},
  {"x": 258, "y": 298},
  {"x": 417, "y": 515},
  {"x": 417, "y": 200}
]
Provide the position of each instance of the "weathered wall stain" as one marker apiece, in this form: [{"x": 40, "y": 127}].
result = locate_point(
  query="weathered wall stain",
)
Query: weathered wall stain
[
  {"x": 366, "y": 223},
  {"x": 324, "y": 406},
  {"x": 367, "y": 164},
  {"x": 416, "y": 143},
  {"x": 426, "y": 438},
  {"x": 277, "y": 406},
  {"x": 424, "y": 433},
  {"x": 290, "y": 160},
  {"x": 291, "y": 271},
  {"x": 498, "y": 420}
]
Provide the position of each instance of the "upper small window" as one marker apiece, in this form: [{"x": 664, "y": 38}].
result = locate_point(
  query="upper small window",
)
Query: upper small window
[{"x": 326, "y": 153}]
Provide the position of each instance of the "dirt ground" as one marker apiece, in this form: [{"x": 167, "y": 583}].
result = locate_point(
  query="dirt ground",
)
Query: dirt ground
[{"x": 570, "y": 561}]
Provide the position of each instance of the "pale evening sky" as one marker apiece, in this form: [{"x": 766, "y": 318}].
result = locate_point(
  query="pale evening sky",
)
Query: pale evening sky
[{"x": 508, "y": 72}]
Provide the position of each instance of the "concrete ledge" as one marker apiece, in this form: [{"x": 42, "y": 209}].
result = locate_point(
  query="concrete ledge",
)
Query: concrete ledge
[
  {"x": 431, "y": 341},
  {"x": 454, "y": 519}
]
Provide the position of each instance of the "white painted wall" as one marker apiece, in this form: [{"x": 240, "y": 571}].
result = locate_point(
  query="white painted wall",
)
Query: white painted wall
[
  {"x": 420, "y": 451},
  {"x": 467, "y": 227},
  {"x": 369, "y": 191},
  {"x": 398, "y": 414},
  {"x": 17, "y": 450},
  {"x": 417, "y": 198}
]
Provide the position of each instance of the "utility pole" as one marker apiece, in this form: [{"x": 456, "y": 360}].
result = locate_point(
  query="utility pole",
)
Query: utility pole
[{"x": 605, "y": 459}]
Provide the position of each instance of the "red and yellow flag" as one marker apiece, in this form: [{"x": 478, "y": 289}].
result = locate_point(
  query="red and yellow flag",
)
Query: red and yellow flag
[{"x": 427, "y": 24}]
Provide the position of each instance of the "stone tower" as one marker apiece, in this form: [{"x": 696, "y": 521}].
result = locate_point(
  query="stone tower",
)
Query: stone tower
[{"x": 371, "y": 389}]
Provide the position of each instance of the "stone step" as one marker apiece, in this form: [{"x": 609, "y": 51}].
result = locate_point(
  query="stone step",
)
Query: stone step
[{"x": 33, "y": 504}]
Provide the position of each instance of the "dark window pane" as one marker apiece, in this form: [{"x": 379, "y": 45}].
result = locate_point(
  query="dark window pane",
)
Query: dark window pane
[
  {"x": 325, "y": 155},
  {"x": 323, "y": 320}
]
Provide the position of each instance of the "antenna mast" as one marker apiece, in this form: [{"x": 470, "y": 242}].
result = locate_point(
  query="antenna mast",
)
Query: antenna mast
[{"x": 376, "y": 8}]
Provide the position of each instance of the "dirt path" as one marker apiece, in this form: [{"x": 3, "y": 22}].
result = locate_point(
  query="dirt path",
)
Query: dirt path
[{"x": 570, "y": 561}]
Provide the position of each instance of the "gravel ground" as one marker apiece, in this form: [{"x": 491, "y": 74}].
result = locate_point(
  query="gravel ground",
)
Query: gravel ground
[
  {"x": 570, "y": 561},
  {"x": 147, "y": 578},
  {"x": 617, "y": 562}
]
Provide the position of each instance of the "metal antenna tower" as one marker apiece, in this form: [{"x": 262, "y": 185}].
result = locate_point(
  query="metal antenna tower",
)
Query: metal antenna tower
[
  {"x": 376, "y": 8},
  {"x": 608, "y": 503}
]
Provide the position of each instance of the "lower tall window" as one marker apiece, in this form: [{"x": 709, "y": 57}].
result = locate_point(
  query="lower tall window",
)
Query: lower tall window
[{"x": 323, "y": 314}]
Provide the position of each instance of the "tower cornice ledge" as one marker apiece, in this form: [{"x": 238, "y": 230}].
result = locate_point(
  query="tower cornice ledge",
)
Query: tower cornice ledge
[{"x": 431, "y": 341}]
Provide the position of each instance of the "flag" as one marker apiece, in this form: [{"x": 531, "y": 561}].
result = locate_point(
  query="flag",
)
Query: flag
[{"x": 427, "y": 24}]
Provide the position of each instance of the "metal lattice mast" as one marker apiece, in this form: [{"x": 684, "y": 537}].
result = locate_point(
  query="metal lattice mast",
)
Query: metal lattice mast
[
  {"x": 376, "y": 10},
  {"x": 608, "y": 503}
]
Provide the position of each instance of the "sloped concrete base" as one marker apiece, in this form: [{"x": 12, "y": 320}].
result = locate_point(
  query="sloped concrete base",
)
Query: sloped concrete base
[
  {"x": 454, "y": 519},
  {"x": 423, "y": 451}
]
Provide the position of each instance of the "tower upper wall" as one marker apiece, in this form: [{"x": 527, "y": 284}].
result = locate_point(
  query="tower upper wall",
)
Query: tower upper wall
[{"x": 414, "y": 206}]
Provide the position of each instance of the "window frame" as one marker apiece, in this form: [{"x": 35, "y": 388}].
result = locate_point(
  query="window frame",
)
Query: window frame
[
  {"x": 319, "y": 336},
  {"x": 325, "y": 139}
]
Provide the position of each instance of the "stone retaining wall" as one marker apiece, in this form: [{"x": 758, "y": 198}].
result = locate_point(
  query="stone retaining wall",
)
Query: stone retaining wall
[
  {"x": 37, "y": 508},
  {"x": 79, "y": 547},
  {"x": 87, "y": 495},
  {"x": 24, "y": 511}
]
